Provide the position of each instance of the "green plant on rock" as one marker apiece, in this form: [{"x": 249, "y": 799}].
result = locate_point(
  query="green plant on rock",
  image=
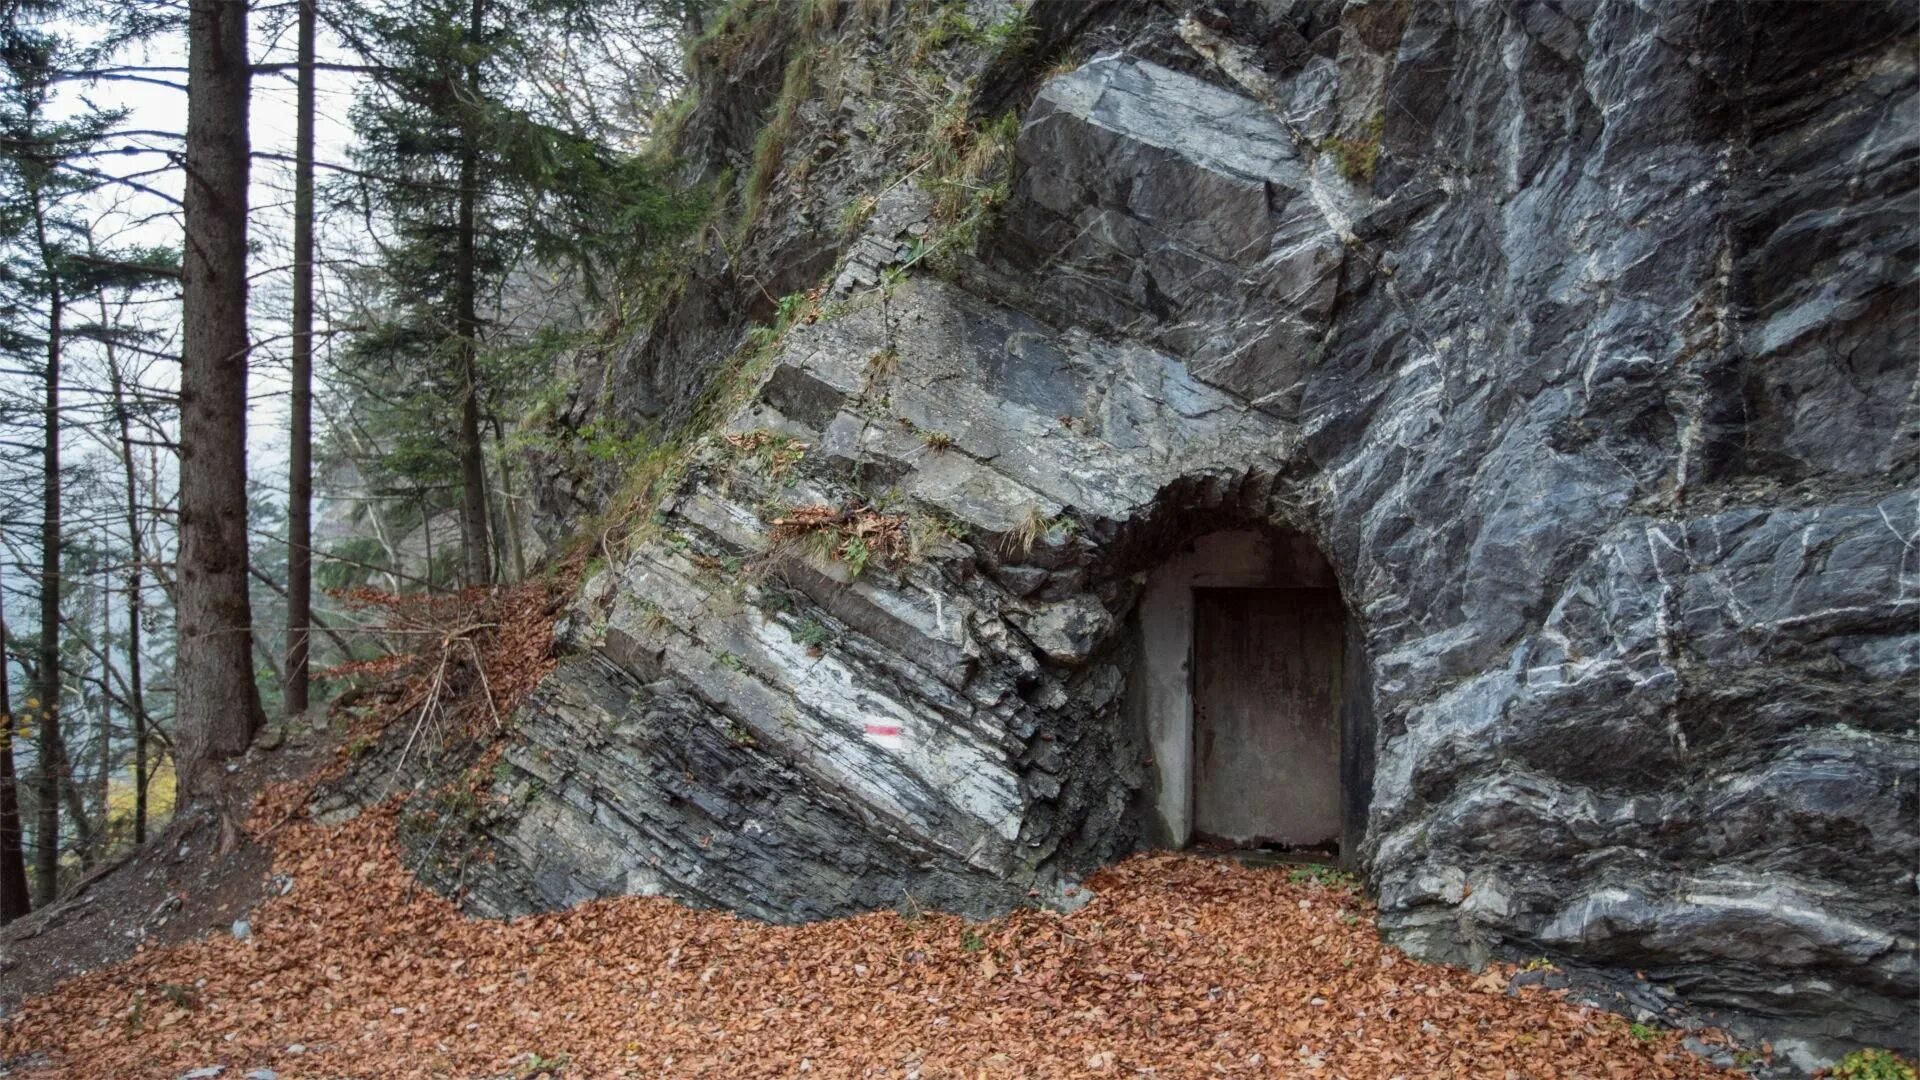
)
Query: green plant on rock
[
  {"x": 810, "y": 633},
  {"x": 855, "y": 215},
  {"x": 968, "y": 172},
  {"x": 854, "y": 536},
  {"x": 1873, "y": 1064},
  {"x": 775, "y": 454},
  {"x": 818, "y": 15},
  {"x": 1324, "y": 876},
  {"x": 928, "y": 528},
  {"x": 770, "y": 146},
  {"x": 936, "y": 441},
  {"x": 1643, "y": 1032},
  {"x": 1013, "y": 32},
  {"x": 1357, "y": 156},
  {"x": 740, "y": 27}
]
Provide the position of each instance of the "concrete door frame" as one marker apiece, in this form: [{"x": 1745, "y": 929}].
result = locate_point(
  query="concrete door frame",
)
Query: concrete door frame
[{"x": 1230, "y": 559}]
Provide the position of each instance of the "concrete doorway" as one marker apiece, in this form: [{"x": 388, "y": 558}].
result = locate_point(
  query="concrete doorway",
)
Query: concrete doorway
[
  {"x": 1266, "y": 717},
  {"x": 1252, "y": 691}
]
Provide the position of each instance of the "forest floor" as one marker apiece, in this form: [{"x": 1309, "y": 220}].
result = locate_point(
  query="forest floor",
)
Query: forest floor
[
  {"x": 1180, "y": 965},
  {"x": 175, "y": 888}
]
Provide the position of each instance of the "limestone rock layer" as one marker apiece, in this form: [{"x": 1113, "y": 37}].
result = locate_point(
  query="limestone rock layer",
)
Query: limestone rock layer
[{"x": 1579, "y": 340}]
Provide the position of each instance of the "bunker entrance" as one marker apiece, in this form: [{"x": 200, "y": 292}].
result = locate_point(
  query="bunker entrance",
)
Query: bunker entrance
[
  {"x": 1266, "y": 707},
  {"x": 1254, "y": 698}
]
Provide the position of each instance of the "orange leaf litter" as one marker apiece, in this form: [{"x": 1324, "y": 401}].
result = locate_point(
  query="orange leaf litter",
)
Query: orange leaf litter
[{"x": 1180, "y": 966}]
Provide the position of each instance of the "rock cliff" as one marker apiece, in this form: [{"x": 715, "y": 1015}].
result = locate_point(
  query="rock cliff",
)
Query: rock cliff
[{"x": 1579, "y": 339}]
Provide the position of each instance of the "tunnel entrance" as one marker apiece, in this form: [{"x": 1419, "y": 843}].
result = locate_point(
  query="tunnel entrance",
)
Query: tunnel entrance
[
  {"x": 1252, "y": 691},
  {"x": 1266, "y": 707}
]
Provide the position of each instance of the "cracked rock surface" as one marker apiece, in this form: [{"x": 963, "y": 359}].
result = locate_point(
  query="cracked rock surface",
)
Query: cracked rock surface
[{"x": 1597, "y": 388}]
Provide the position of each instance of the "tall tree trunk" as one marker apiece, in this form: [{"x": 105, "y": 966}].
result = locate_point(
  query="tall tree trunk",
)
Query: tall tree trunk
[
  {"x": 218, "y": 704},
  {"x": 475, "y": 550},
  {"x": 426, "y": 518},
  {"x": 300, "y": 454},
  {"x": 517, "y": 551},
  {"x": 104, "y": 782},
  {"x": 45, "y": 701},
  {"x": 86, "y": 837},
  {"x": 14, "y": 901},
  {"x": 136, "y": 695}
]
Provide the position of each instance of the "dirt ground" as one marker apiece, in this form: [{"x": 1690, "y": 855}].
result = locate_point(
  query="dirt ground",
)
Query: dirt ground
[{"x": 176, "y": 888}]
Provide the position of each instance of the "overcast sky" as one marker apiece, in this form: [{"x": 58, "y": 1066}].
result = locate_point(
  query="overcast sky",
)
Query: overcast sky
[{"x": 270, "y": 226}]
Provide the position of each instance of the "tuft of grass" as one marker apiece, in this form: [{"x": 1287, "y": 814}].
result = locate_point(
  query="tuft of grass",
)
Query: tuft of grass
[
  {"x": 820, "y": 15},
  {"x": 1012, "y": 33},
  {"x": 740, "y": 27},
  {"x": 855, "y": 215},
  {"x": 928, "y": 528},
  {"x": 854, "y": 536},
  {"x": 1029, "y": 529},
  {"x": 881, "y": 364},
  {"x": 1643, "y": 1032},
  {"x": 774, "y": 453},
  {"x": 969, "y": 172},
  {"x": 936, "y": 441},
  {"x": 1357, "y": 156},
  {"x": 770, "y": 146},
  {"x": 1066, "y": 63}
]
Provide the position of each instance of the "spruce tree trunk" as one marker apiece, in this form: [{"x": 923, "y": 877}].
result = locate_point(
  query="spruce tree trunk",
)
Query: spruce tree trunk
[
  {"x": 300, "y": 454},
  {"x": 218, "y": 703},
  {"x": 45, "y": 701},
  {"x": 14, "y": 901},
  {"x": 136, "y": 695},
  {"x": 517, "y": 553},
  {"x": 475, "y": 550},
  {"x": 103, "y": 784}
]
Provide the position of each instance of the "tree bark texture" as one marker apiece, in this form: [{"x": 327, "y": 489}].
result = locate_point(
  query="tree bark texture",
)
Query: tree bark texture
[
  {"x": 300, "y": 454},
  {"x": 218, "y": 702}
]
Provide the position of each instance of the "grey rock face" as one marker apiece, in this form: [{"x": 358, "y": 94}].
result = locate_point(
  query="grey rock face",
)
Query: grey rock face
[
  {"x": 1600, "y": 395},
  {"x": 1164, "y": 207}
]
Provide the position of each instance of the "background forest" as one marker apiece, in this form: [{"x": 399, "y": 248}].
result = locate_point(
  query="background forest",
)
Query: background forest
[{"x": 363, "y": 249}]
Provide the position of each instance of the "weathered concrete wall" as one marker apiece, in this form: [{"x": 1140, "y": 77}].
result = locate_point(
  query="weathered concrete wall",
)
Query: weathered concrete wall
[
  {"x": 1234, "y": 558},
  {"x": 1581, "y": 341}
]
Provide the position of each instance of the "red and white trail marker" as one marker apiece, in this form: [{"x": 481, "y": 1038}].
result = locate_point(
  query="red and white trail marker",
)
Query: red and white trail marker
[{"x": 884, "y": 734}]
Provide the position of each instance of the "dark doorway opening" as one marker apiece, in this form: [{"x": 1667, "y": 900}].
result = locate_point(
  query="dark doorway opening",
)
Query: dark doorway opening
[
  {"x": 1267, "y": 686},
  {"x": 1253, "y": 693}
]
